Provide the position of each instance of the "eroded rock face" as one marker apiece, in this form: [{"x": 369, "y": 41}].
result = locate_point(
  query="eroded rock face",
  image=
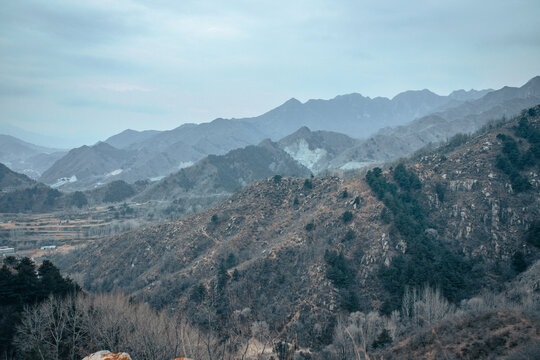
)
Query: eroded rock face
[{"x": 107, "y": 355}]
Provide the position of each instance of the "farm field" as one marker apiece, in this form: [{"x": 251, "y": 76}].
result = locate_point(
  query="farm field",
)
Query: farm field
[{"x": 66, "y": 230}]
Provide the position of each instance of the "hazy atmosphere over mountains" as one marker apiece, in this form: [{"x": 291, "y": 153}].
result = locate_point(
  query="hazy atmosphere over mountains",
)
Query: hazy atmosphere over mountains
[
  {"x": 269, "y": 180},
  {"x": 377, "y": 130},
  {"x": 83, "y": 71}
]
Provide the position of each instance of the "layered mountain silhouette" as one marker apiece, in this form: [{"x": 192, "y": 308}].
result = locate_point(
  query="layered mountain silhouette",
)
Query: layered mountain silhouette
[
  {"x": 219, "y": 176},
  {"x": 86, "y": 166},
  {"x": 387, "y": 129},
  {"x": 27, "y": 158},
  {"x": 393, "y": 143}
]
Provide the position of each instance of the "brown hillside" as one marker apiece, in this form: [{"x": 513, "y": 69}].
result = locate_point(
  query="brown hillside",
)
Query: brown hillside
[
  {"x": 277, "y": 270},
  {"x": 486, "y": 336},
  {"x": 481, "y": 213}
]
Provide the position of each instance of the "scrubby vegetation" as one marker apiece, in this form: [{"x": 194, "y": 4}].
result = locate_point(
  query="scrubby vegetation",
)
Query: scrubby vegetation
[
  {"x": 342, "y": 276},
  {"x": 36, "y": 198},
  {"x": 78, "y": 199},
  {"x": 426, "y": 260},
  {"x": 533, "y": 234},
  {"x": 427, "y": 323},
  {"x": 512, "y": 161},
  {"x": 118, "y": 191}
]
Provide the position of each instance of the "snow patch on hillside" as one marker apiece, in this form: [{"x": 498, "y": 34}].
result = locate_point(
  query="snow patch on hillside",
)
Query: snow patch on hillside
[
  {"x": 64, "y": 180},
  {"x": 185, "y": 164},
  {"x": 114, "y": 172},
  {"x": 301, "y": 152}
]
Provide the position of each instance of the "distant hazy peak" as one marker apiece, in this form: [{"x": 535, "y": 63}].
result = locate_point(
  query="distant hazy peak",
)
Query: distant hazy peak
[
  {"x": 304, "y": 130},
  {"x": 292, "y": 101},
  {"x": 129, "y": 132},
  {"x": 464, "y": 95},
  {"x": 410, "y": 94},
  {"x": 291, "y": 104},
  {"x": 128, "y": 137},
  {"x": 351, "y": 96},
  {"x": 533, "y": 83},
  {"x": 7, "y": 140},
  {"x": 267, "y": 143},
  {"x": 99, "y": 147},
  {"x": 103, "y": 145}
]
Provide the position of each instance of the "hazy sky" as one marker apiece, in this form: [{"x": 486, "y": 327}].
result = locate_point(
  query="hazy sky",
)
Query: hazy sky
[{"x": 80, "y": 71}]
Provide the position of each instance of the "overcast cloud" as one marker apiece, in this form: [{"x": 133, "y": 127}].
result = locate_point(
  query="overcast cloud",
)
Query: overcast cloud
[{"x": 80, "y": 71}]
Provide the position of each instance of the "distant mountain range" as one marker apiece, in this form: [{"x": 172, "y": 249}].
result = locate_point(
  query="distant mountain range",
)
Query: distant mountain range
[
  {"x": 400, "y": 141},
  {"x": 26, "y": 158},
  {"x": 377, "y": 129},
  {"x": 196, "y": 187},
  {"x": 354, "y": 114}
]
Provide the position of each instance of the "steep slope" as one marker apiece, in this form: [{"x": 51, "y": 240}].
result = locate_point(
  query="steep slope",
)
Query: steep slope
[
  {"x": 86, "y": 166},
  {"x": 10, "y": 180},
  {"x": 296, "y": 252},
  {"x": 218, "y": 176}
]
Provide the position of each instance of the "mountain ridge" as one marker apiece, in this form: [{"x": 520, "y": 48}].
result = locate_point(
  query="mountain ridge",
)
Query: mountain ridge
[
  {"x": 316, "y": 247},
  {"x": 159, "y": 154}
]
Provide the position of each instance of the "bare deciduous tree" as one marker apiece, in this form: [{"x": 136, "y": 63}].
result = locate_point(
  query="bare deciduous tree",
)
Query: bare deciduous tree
[{"x": 74, "y": 327}]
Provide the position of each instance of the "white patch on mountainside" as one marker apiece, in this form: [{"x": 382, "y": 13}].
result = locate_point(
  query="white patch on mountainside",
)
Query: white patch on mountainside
[
  {"x": 114, "y": 172},
  {"x": 157, "y": 178},
  {"x": 185, "y": 164},
  {"x": 301, "y": 152},
  {"x": 64, "y": 180},
  {"x": 351, "y": 165}
]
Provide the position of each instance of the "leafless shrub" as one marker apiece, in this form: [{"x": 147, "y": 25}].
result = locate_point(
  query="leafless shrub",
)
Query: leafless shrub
[
  {"x": 74, "y": 327},
  {"x": 428, "y": 305}
]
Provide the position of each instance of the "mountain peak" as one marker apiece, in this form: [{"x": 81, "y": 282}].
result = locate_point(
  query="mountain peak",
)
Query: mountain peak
[
  {"x": 292, "y": 101},
  {"x": 534, "y": 82},
  {"x": 414, "y": 94},
  {"x": 101, "y": 145},
  {"x": 303, "y": 130},
  {"x": 464, "y": 95}
]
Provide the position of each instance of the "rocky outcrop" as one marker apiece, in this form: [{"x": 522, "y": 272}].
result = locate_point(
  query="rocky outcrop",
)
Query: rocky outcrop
[{"x": 107, "y": 355}]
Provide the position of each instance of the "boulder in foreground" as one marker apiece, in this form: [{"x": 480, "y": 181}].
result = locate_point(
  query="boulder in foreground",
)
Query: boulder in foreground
[{"x": 107, "y": 355}]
